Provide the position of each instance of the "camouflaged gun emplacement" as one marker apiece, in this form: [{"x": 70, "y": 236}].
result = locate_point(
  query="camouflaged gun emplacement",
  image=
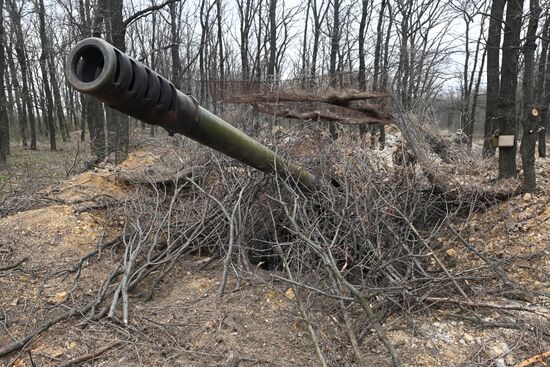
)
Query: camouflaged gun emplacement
[{"x": 96, "y": 68}]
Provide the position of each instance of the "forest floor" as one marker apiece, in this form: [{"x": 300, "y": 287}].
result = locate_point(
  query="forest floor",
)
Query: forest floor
[{"x": 51, "y": 219}]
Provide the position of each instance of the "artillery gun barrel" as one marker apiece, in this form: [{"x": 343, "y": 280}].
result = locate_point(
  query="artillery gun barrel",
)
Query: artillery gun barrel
[{"x": 97, "y": 68}]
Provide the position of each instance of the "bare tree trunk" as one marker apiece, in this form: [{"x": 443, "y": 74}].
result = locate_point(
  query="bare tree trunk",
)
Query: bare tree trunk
[
  {"x": 403, "y": 69},
  {"x": 83, "y": 114},
  {"x": 508, "y": 85},
  {"x": 361, "y": 50},
  {"x": 221, "y": 60},
  {"x": 246, "y": 16},
  {"x": 86, "y": 30},
  {"x": 334, "y": 41},
  {"x": 543, "y": 85},
  {"x": 21, "y": 110},
  {"x": 529, "y": 121},
  {"x": 4, "y": 123},
  {"x": 117, "y": 123},
  {"x": 203, "y": 48},
  {"x": 34, "y": 96},
  {"x": 63, "y": 125},
  {"x": 319, "y": 13},
  {"x": 94, "y": 115},
  {"x": 305, "y": 47},
  {"x": 175, "y": 20},
  {"x": 22, "y": 60},
  {"x": 376, "y": 78},
  {"x": 385, "y": 69},
  {"x": 175, "y": 47},
  {"x": 361, "y": 46},
  {"x": 493, "y": 75},
  {"x": 43, "y": 68},
  {"x": 10, "y": 100},
  {"x": 469, "y": 93},
  {"x": 475, "y": 96},
  {"x": 316, "y": 35},
  {"x": 272, "y": 59},
  {"x": 257, "y": 67},
  {"x": 94, "y": 118},
  {"x": 334, "y": 50},
  {"x": 465, "y": 123},
  {"x": 378, "y": 81}
]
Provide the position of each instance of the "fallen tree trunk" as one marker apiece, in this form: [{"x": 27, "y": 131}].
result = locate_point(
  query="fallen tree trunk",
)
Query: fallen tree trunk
[
  {"x": 354, "y": 106},
  {"x": 318, "y": 115},
  {"x": 340, "y": 98},
  {"x": 440, "y": 174}
]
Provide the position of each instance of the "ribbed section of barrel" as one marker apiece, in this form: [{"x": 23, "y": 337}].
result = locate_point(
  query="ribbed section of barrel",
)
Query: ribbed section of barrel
[{"x": 97, "y": 68}]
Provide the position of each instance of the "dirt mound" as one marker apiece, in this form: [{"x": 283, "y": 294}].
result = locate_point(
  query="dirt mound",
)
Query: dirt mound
[
  {"x": 55, "y": 234},
  {"x": 140, "y": 159},
  {"x": 105, "y": 182},
  {"x": 87, "y": 188},
  {"x": 77, "y": 221}
]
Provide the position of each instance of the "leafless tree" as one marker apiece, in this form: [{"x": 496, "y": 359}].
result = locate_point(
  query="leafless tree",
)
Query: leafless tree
[
  {"x": 543, "y": 83},
  {"x": 472, "y": 15},
  {"x": 508, "y": 85},
  {"x": 493, "y": 73},
  {"x": 319, "y": 12},
  {"x": 15, "y": 9},
  {"x": 530, "y": 119},
  {"x": 44, "y": 57},
  {"x": 272, "y": 26},
  {"x": 4, "y": 123}
]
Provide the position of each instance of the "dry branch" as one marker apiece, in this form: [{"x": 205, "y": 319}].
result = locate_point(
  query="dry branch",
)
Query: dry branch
[
  {"x": 14, "y": 265},
  {"x": 89, "y": 356},
  {"x": 508, "y": 307},
  {"x": 18, "y": 344},
  {"x": 539, "y": 358}
]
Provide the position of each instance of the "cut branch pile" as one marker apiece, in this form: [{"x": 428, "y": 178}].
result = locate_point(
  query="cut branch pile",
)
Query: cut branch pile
[{"x": 366, "y": 250}]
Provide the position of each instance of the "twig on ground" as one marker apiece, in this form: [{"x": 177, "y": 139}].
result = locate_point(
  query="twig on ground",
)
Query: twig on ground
[
  {"x": 89, "y": 356},
  {"x": 507, "y": 307},
  {"x": 14, "y": 265},
  {"x": 539, "y": 358}
]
